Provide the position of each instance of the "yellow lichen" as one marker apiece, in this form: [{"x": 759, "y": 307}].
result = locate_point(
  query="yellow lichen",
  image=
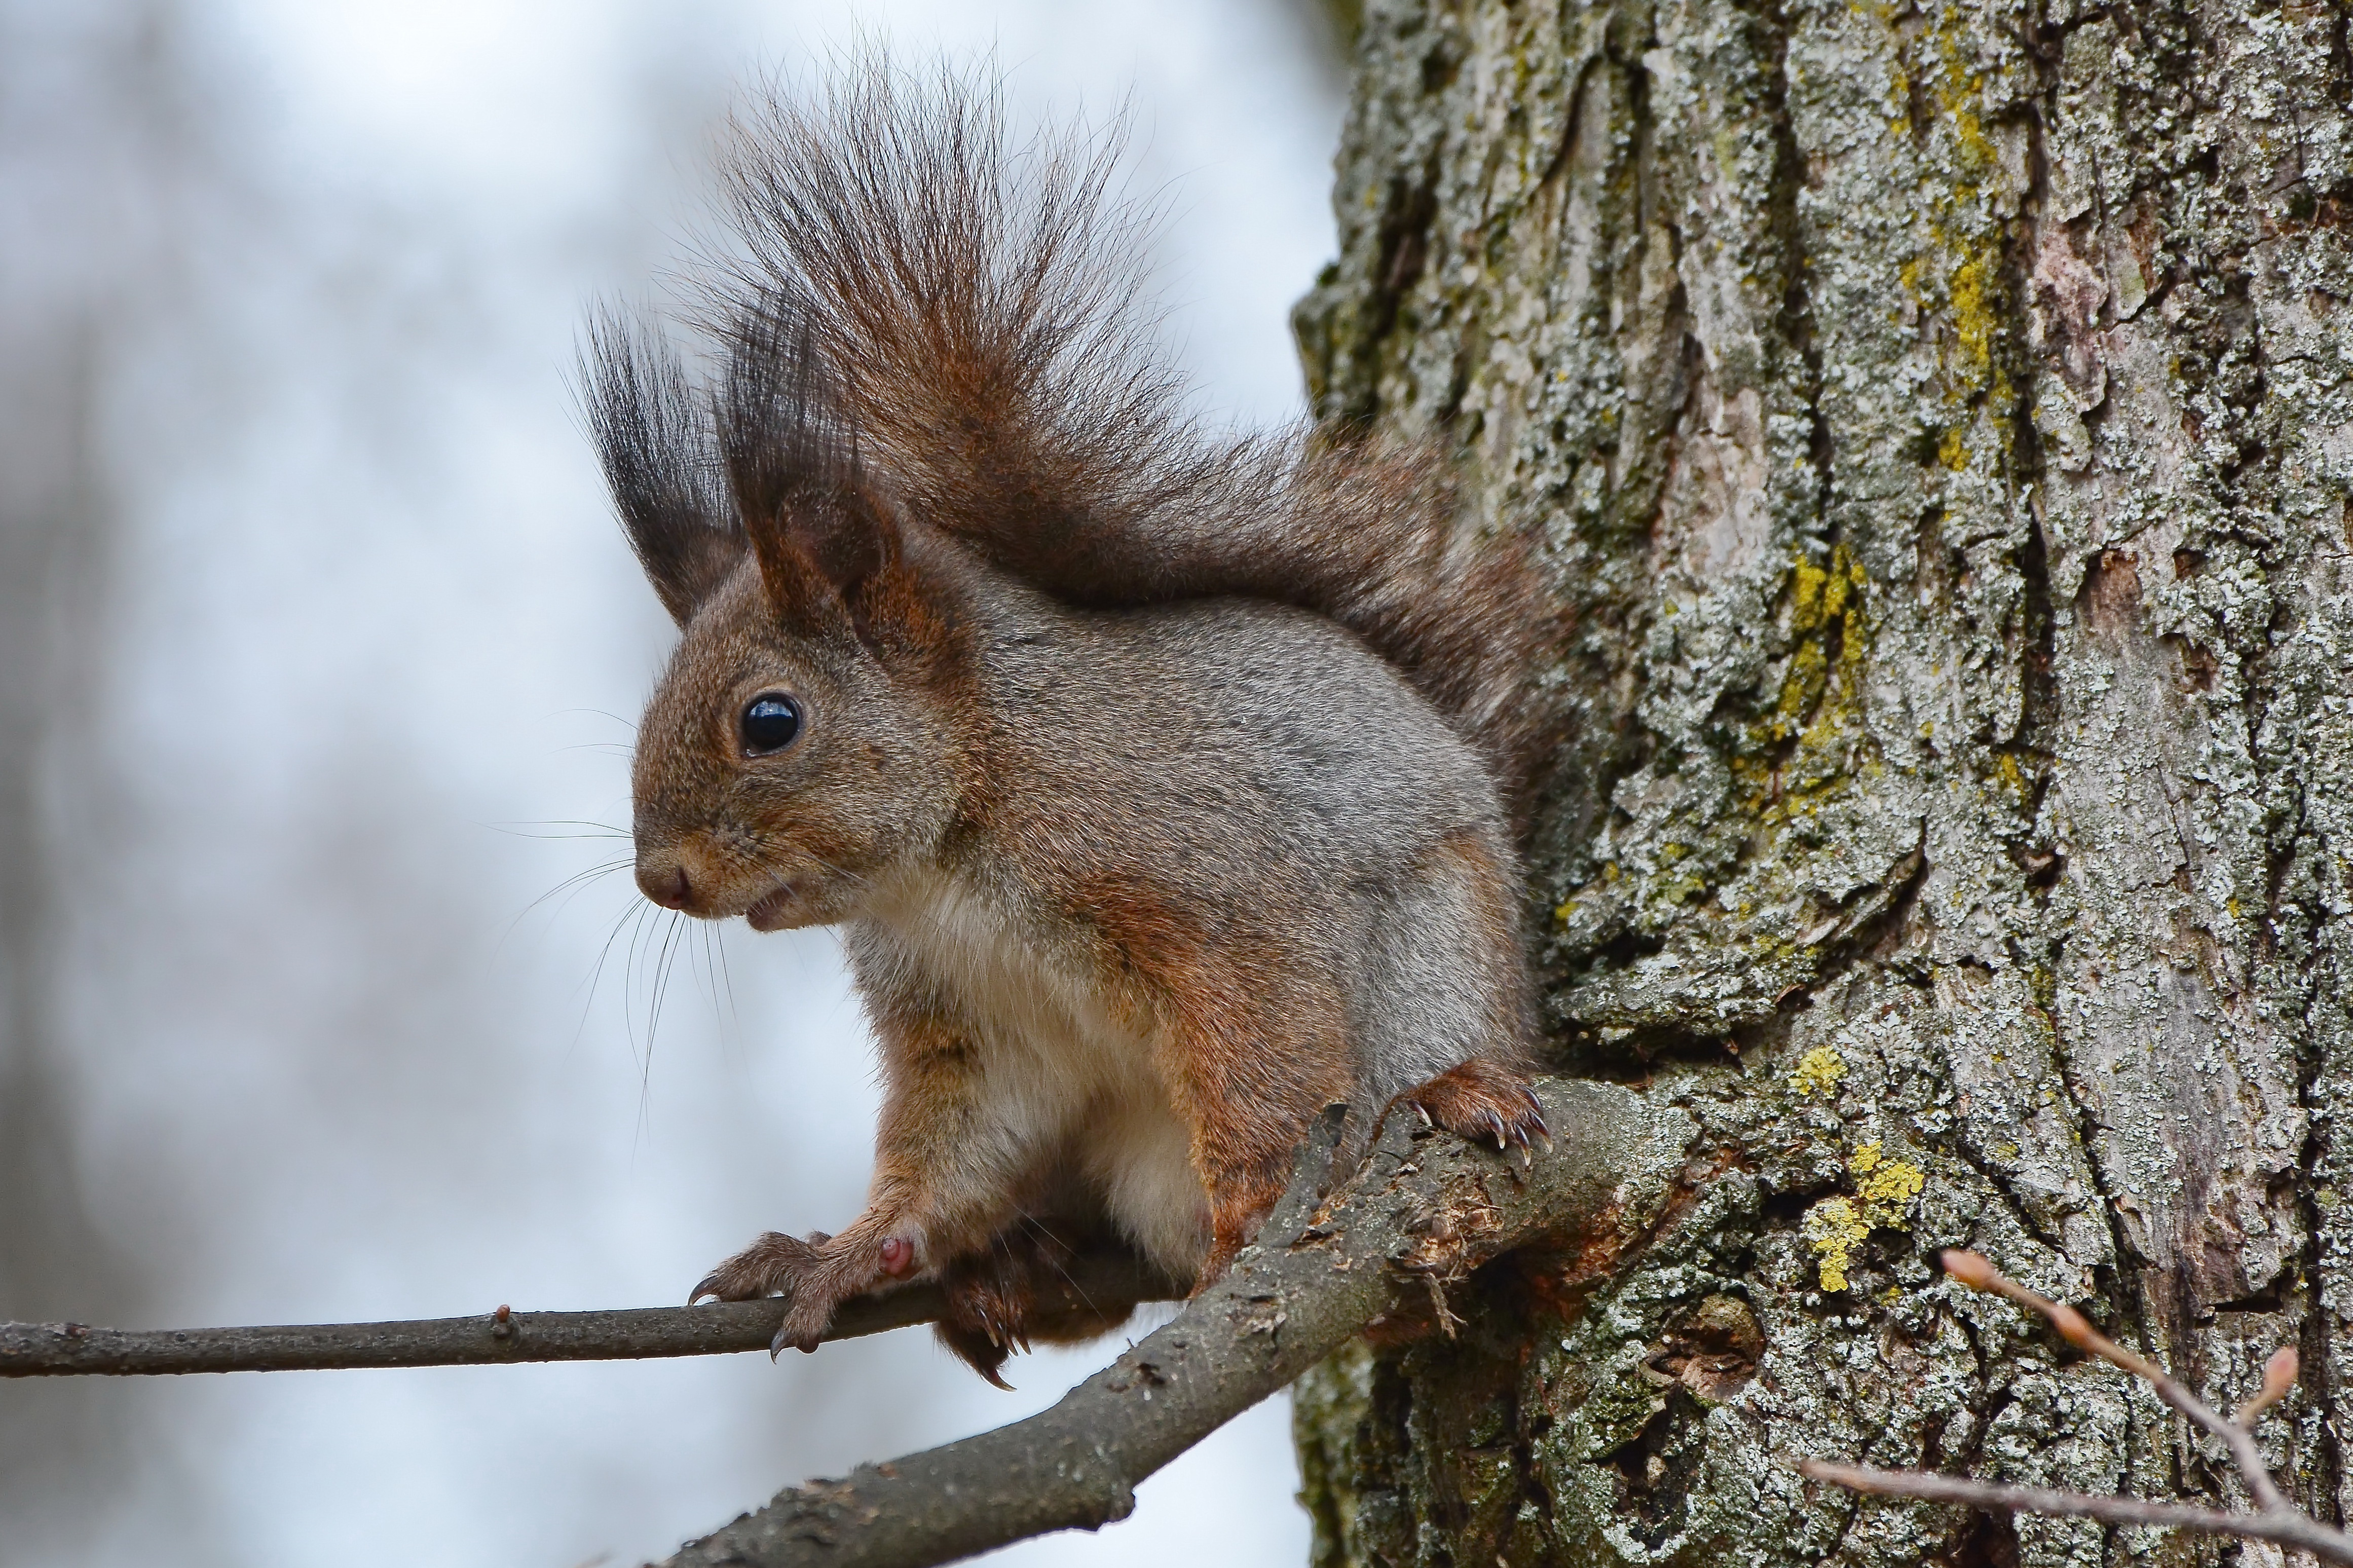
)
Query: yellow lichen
[
  {"x": 1819, "y": 1069},
  {"x": 1953, "y": 451},
  {"x": 1836, "y": 1232},
  {"x": 1806, "y": 584},
  {"x": 1889, "y": 1189},
  {"x": 1973, "y": 317},
  {"x": 1836, "y": 1228},
  {"x": 2009, "y": 775}
]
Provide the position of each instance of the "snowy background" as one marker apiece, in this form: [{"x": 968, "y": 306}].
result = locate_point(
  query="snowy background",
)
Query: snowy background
[{"x": 318, "y": 648}]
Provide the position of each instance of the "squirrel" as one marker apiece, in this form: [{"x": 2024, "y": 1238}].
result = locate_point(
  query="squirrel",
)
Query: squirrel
[{"x": 1165, "y": 783}]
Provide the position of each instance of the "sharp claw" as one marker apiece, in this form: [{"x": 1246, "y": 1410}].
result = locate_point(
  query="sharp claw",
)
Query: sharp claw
[
  {"x": 1495, "y": 1122},
  {"x": 1421, "y": 1110},
  {"x": 967, "y": 1350},
  {"x": 776, "y": 1346},
  {"x": 710, "y": 1286}
]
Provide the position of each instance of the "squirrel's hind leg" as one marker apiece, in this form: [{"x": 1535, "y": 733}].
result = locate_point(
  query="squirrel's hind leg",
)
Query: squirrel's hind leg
[{"x": 1014, "y": 1291}]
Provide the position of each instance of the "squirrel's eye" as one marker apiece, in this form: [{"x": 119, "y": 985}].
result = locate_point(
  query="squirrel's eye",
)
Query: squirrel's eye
[{"x": 770, "y": 723}]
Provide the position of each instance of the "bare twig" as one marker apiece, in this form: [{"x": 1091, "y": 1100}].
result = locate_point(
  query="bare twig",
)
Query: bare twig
[
  {"x": 1319, "y": 1274},
  {"x": 2272, "y": 1519},
  {"x": 2292, "y": 1528},
  {"x": 58, "y": 1349},
  {"x": 1973, "y": 1271}
]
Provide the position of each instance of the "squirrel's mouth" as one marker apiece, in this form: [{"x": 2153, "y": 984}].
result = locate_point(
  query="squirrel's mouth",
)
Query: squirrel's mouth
[{"x": 773, "y": 912}]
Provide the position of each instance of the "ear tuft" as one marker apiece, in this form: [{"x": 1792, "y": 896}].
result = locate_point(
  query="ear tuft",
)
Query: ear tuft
[
  {"x": 823, "y": 537},
  {"x": 654, "y": 439}
]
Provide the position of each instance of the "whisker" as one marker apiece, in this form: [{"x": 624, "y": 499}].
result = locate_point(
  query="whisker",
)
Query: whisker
[
  {"x": 516, "y": 829},
  {"x": 1038, "y": 1223},
  {"x": 601, "y": 713},
  {"x": 632, "y": 969},
  {"x": 636, "y": 908},
  {"x": 571, "y": 887},
  {"x": 665, "y": 954},
  {"x": 845, "y": 874},
  {"x": 573, "y": 883},
  {"x": 707, "y": 973},
  {"x": 727, "y": 977}
]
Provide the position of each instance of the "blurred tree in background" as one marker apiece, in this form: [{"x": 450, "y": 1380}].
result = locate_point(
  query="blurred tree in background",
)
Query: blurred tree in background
[{"x": 90, "y": 136}]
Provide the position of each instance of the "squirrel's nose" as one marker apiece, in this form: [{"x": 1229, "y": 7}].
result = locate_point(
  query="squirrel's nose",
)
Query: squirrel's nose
[{"x": 669, "y": 888}]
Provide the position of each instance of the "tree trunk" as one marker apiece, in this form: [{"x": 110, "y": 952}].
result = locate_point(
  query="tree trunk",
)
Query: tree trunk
[{"x": 1938, "y": 422}]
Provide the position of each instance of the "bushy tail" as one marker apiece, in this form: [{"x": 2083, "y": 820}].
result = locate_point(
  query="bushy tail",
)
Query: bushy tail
[{"x": 977, "y": 305}]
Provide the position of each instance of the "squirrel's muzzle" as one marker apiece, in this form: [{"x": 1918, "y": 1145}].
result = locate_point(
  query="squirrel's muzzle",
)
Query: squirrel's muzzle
[{"x": 665, "y": 885}]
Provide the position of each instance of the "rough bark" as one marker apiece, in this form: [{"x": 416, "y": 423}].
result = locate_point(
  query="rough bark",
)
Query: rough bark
[{"x": 1938, "y": 420}]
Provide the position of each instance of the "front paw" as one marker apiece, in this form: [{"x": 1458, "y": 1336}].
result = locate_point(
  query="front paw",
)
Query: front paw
[
  {"x": 772, "y": 1266},
  {"x": 1482, "y": 1101},
  {"x": 814, "y": 1276}
]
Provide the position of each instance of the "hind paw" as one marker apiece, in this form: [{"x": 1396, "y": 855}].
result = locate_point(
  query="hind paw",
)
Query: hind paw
[{"x": 1002, "y": 1297}]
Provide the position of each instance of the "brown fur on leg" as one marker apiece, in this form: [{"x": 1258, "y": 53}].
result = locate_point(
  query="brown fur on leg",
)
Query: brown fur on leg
[
  {"x": 1251, "y": 1047},
  {"x": 994, "y": 1305},
  {"x": 1238, "y": 1200},
  {"x": 1483, "y": 1100}
]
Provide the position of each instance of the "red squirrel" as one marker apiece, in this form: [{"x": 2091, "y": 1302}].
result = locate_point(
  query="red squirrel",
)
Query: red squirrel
[{"x": 1163, "y": 783}]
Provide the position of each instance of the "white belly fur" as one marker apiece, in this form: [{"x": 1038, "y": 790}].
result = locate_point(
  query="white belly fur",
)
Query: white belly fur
[{"x": 1061, "y": 1071}]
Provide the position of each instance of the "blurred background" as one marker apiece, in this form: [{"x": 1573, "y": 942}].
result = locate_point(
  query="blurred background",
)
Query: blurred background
[{"x": 318, "y": 651}]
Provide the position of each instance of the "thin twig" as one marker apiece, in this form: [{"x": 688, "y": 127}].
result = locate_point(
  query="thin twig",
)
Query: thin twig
[
  {"x": 2274, "y": 1519},
  {"x": 63, "y": 1350},
  {"x": 1975, "y": 1271},
  {"x": 2285, "y": 1527}
]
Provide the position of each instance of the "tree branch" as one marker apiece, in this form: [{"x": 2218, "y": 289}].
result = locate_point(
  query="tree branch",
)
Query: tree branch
[
  {"x": 59, "y": 1350},
  {"x": 2274, "y": 1519},
  {"x": 1423, "y": 1211}
]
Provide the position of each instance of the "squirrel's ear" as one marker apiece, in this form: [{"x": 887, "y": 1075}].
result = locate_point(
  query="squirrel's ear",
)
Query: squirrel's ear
[
  {"x": 826, "y": 540},
  {"x": 827, "y": 551},
  {"x": 654, "y": 437}
]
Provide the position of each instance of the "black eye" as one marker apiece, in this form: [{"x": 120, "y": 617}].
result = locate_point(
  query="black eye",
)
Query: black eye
[{"x": 770, "y": 723}]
